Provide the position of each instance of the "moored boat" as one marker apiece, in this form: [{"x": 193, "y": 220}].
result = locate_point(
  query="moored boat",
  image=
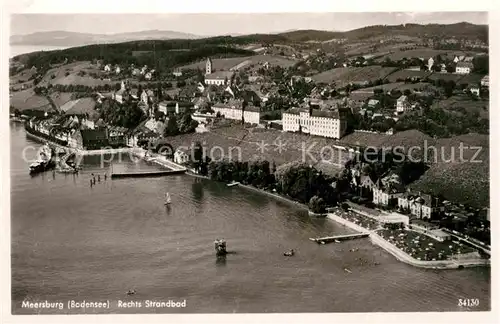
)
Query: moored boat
[
  {"x": 44, "y": 161},
  {"x": 232, "y": 184}
]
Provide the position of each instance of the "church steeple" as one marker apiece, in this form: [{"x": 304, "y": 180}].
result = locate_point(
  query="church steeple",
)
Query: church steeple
[{"x": 208, "y": 66}]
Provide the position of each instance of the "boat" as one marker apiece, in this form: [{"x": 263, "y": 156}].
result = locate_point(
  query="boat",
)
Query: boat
[
  {"x": 232, "y": 184},
  {"x": 289, "y": 253},
  {"x": 347, "y": 270},
  {"x": 220, "y": 247},
  {"x": 44, "y": 161},
  {"x": 168, "y": 200}
]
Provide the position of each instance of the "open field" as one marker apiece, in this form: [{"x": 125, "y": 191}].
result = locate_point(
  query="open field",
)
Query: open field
[
  {"x": 471, "y": 79},
  {"x": 403, "y": 74},
  {"x": 250, "y": 141},
  {"x": 344, "y": 76},
  {"x": 425, "y": 53},
  {"x": 227, "y": 63},
  {"x": 459, "y": 102},
  {"x": 27, "y": 99},
  {"x": 60, "y": 98},
  {"x": 446, "y": 76},
  {"x": 363, "y": 94}
]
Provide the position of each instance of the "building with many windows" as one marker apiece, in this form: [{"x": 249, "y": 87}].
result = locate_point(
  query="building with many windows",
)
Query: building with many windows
[
  {"x": 326, "y": 123},
  {"x": 233, "y": 109}
]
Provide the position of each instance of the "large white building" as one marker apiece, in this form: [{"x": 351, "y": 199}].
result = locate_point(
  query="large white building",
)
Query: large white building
[
  {"x": 315, "y": 122},
  {"x": 233, "y": 110}
]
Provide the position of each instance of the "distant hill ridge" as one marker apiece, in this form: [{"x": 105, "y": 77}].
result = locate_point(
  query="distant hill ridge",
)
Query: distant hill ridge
[{"x": 64, "y": 38}]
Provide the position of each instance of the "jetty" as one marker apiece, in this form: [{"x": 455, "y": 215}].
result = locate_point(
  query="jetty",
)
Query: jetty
[
  {"x": 144, "y": 174},
  {"x": 329, "y": 239}
]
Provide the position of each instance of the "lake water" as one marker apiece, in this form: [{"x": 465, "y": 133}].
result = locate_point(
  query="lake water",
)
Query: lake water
[
  {"x": 24, "y": 49},
  {"x": 74, "y": 242}
]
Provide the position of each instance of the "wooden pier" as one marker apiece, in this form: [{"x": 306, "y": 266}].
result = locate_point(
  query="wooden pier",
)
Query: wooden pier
[
  {"x": 144, "y": 174},
  {"x": 329, "y": 239}
]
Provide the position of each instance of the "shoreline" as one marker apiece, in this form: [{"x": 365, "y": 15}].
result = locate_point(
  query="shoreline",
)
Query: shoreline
[
  {"x": 79, "y": 151},
  {"x": 405, "y": 257}
]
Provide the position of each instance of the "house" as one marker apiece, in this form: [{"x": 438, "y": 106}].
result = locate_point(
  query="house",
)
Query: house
[
  {"x": 439, "y": 235},
  {"x": 485, "y": 81},
  {"x": 420, "y": 205},
  {"x": 118, "y": 70},
  {"x": 372, "y": 103},
  {"x": 107, "y": 68},
  {"x": 443, "y": 68},
  {"x": 474, "y": 89},
  {"x": 384, "y": 195},
  {"x": 395, "y": 219},
  {"x": 468, "y": 59},
  {"x": 430, "y": 63},
  {"x": 169, "y": 107},
  {"x": 121, "y": 94},
  {"x": 456, "y": 59},
  {"x": 177, "y": 73},
  {"x": 233, "y": 109},
  {"x": 148, "y": 76},
  {"x": 181, "y": 156},
  {"x": 326, "y": 123},
  {"x": 402, "y": 104},
  {"x": 136, "y": 72},
  {"x": 463, "y": 68}
]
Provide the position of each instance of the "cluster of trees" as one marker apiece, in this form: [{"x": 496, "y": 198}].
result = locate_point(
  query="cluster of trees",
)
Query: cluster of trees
[
  {"x": 180, "y": 124},
  {"x": 127, "y": 115},
  {"x": 163, "y": 55},
  {"x": 296, "y": 180}
]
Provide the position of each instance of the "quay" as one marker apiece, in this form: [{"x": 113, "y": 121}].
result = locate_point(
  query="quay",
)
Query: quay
[
  {"x": 329, "y": 239},
  {"x": 146, "y": 174}
]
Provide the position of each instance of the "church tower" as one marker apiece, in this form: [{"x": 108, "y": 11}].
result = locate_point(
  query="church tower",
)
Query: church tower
[{"x": 208, "y": 66}]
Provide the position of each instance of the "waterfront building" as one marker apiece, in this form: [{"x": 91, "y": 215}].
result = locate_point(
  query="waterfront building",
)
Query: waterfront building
[
  {"x": 420, "y": 205},
  {"x": 181, "y": 156},
  {"x": 326, "y": 123}
]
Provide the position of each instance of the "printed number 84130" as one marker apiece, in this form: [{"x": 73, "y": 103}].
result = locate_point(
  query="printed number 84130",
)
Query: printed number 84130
[{"x": 468, "y": 302}]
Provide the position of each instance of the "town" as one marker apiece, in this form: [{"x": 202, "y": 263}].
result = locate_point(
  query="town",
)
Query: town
[{"x": 350, "y": 92}]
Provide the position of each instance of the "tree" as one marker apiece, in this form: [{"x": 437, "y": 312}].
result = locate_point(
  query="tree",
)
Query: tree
[
  {"x": 449, "y": 86},
  {"x": 186, "y": 123},
  {"x": 171, "y": 129},
  {"x": 317, "y": 205}
]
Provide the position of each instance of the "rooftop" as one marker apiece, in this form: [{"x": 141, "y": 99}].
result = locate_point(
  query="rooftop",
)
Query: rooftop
[{"x": 219, "y": 75}]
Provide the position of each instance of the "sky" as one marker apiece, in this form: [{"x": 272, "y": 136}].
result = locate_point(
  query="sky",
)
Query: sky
[{"x": 223, "y": 24}]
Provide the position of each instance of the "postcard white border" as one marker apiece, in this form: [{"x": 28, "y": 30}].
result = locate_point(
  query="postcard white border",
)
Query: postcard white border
[{"x": 220, "y": 6}]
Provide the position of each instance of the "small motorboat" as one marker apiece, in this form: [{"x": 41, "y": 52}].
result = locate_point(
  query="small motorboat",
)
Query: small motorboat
[
  {"x": 232, "y": 184},
  {"x": 289, "y": 253},
  {"x": 131, "y": 292},
  {"x": 347, "y": 270}
]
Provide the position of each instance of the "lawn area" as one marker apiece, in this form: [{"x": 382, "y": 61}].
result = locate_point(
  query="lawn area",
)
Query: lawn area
[
  {"x": 471, "y": 79},
  {"x": 27, "y": 99},
  {"x": 60, "y": 98},
  {"x": 423, "y": 247},
  {"x": 346, "y": 75},
  {"x": 358, "y": 219},
  {"x": 401, "y": 75}
]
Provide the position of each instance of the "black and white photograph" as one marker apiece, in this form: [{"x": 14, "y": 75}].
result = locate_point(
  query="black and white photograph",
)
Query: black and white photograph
[{"x": 218, "y": 163}]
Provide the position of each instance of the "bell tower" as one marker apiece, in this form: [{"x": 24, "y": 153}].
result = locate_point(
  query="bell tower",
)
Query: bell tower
[{"x": 208, "y": 66}]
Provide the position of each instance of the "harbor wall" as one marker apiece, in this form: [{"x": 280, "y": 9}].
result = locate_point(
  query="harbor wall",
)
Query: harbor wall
[{"x": 347, "y": 223}]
